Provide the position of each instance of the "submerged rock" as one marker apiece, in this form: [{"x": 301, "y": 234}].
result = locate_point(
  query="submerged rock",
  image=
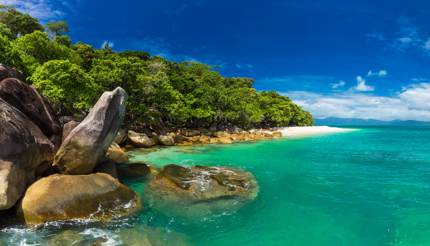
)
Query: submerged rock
[
  {"x": 68, "y": 237},
  {"x": 140, "y": 140},
  {"x": 87, "y": 144},
  {"x": 133, "y": 170},
  {"x": 148, "y": 236},
  {"x": 199, "y": 191},
  {"x": 25, "y": 153},
  {"x": 31, "y": 103},
  {"x": 69, "y": 197}
]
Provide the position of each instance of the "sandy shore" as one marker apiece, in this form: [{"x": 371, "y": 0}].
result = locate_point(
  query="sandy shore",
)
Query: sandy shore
[{"x": 304, "y": 131}]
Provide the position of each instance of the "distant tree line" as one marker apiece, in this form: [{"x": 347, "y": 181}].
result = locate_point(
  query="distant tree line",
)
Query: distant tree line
[{"x": 162, "y": 93}]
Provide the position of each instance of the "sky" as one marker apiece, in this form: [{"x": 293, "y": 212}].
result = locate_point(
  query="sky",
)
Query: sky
[{"x": 350, "y": 59}]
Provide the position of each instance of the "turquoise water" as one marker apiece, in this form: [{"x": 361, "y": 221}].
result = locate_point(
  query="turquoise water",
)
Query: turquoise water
[{"x": 367, "y": 187}]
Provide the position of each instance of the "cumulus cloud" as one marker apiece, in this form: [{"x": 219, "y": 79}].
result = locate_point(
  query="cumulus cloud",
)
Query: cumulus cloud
[
  {"x": 362, "y": 86},
  {"x": 411, "y": 103},
  {"x": 380, "y": 73},
  {"x": 41, "y": 9}
]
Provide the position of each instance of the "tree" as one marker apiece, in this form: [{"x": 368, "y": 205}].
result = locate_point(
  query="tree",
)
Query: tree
[
  {"x": 36, "y": 48},
  {"x": 19, "y": 23},
  {"x": 65, "y": 83},
  {"x": 57, "y": 28}
]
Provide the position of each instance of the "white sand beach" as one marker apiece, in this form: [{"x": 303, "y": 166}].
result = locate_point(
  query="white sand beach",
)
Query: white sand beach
[{"x": 304, "y": 131}]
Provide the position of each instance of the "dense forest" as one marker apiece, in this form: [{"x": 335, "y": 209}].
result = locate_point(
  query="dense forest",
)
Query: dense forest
[{"x": 162, "y": 93}]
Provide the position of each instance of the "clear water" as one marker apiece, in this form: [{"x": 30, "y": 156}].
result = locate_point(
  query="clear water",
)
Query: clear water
[{"x": 368, "y": 187}]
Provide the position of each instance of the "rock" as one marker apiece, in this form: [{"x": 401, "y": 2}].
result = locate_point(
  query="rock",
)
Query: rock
[
  {"x": 98, "y": 197},
  {"x": 277, "y": 134},
  {"x": 87, "y": 144},
  {"x": 68, "y": 237},
  {"x": 140, "y": 140},
  {"x": 121, "y": 137},
  {"x": 8, "y": 72},
  {"x": 166, "y": 140},
  {"x": 148, "y": 236},
  {"x": 220, "y": 134},
  {"x": 68, "y": 127},
  {"x": 107, "y": 167},
  {"x": 26, "y": 99},
  {"x": 199, "y": 191},
  {"x": 133, "y": 170},
  {"x": 25, "y": 153},
  {"x": 224, "y": 140},
  {"x": 116, "y": 154}
]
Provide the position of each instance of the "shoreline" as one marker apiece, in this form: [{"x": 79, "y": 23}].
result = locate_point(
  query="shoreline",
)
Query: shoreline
[{"x": 187, "y": 137}]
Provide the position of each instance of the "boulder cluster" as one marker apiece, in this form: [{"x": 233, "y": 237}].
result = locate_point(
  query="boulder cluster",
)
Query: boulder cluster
[
  {"x": 62, "y": 170},
  {"x": 47, "y": 171},
  {"x": 186, "y": 137}
]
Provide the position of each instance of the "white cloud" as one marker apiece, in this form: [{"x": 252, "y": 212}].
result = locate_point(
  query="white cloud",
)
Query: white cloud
[
  {"x": 427, "y": 45},
  {"x": 42, "y": 9},
  {"x": 381, "y": 73},
  {"x": 412, "y": 103},
  {"x": 339, "y": 84},
  {"x": 362, "y": 86}
]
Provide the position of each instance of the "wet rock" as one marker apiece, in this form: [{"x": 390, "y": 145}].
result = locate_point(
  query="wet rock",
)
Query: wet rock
[
  {"x": 140, "y": 140},
  {"x": 199, "y": 191},
  {"x": 116, "y": 154},
  {"x": 59, "y": 197},
  {"x": 25, "y": 153},
  {"x": 26, "y": 99},
  {"x": 133, "y": 170},
  {"x": 87, "y": 144}
]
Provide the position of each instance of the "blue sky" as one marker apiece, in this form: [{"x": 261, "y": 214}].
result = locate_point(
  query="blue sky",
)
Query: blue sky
[{"x": 352, "y": 59}]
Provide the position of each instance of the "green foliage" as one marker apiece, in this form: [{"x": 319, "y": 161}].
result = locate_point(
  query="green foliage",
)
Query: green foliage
[
  {"x": 63, "y": 40},
  {"x": 5, "y": 31},
  {"x": 36, "y": 48},
  {"x": 17, "y": 22},
  {"x": 66, "y": 83},
  {"x": 162, "y": 94},
  {"x": 57, "y": 28}
]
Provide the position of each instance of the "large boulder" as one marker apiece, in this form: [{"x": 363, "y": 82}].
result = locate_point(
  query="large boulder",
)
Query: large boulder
[
  {"x": 68, "y": 128},
  {"x": 98, "y": 197},
  {"x": 140, "y": 140},
  {"x": 31, "y": 103},
  {"x": 166, "y": 140},
  {"x": 87, "y": 144},
  {"x": 199, "y": 191},
  {"x": 25, "y": 153},
  {"x": 8, "y": 72}
]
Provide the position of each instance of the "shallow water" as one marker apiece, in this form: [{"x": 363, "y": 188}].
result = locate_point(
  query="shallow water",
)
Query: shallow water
[{"x": 367, "y": 187}]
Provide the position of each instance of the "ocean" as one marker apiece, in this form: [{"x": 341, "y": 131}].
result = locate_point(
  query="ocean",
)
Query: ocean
[{"x": 365, "y": 187}]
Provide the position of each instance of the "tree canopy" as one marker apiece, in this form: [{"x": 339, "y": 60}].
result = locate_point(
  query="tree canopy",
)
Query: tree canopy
[{"x": 162, "y": 93}]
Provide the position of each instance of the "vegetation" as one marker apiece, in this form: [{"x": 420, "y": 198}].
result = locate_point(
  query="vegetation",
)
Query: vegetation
[{"x": 162, "y": 93}]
